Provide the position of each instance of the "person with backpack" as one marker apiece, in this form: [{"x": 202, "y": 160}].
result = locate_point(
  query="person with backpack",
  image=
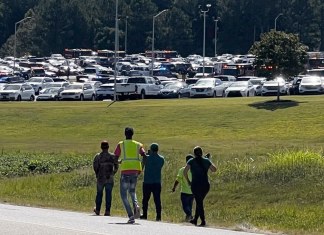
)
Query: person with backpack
[
  {"x": 105, "y": 166},
  {"x": 186, "y": 195},
  {"x": 200, "y": 186}
]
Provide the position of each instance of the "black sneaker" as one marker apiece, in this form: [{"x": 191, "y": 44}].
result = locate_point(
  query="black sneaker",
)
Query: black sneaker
[
  {"x": 107, "y": 213},
  {"x": 131, "y": 220},
  {"x": 96, "y": 211},
  {"x": 143, "y": 217}
]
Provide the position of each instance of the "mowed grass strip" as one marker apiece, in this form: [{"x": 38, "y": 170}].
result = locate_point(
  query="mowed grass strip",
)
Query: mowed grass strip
[{"x": 269, "y": 155}]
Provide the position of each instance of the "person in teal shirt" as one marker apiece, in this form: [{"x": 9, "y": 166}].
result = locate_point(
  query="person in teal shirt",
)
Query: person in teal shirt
[
  {"x": 152, "y": 181},
  {"x": 186, "y": 195}
]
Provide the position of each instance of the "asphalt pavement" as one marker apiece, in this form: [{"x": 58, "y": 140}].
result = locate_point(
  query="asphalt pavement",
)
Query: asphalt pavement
[{"x": 21, "y": 220}]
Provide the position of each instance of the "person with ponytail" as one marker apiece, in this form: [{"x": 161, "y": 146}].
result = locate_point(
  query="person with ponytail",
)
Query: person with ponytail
[{"x": 200, "y": 186}]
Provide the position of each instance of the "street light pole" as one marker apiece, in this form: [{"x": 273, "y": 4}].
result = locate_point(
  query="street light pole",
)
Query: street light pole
[
  {"x": 126, "y": 35},
  {"x": 204, "y": 37},
  {"x": 116, "y": 50},
  {"x": 15, "y": 42},
  {"x": 276, "y": 21},
  {"x": 153, "y": 54},
  {"x": 216, "y": 29}
]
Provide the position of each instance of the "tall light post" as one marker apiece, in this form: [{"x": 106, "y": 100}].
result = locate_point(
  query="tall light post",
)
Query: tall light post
[
  {"x": 153, "y": 54},
  {"x": 126, "y": 34},
  {"x": 116, "y": 50},
  {"x": 216, "y": 29},
  {"x": 204, "y": 37},
  {"x": 15, "y": 43},
  {"x": 275, "y": 28}
]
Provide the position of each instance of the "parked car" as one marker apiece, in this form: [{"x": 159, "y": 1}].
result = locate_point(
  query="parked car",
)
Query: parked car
[
  {"x": 107, "y": 90},
  {"x": 39, "y": 82},
  {"x": 240, "y": 89},
  {"x": 226, "y": 78},
  {"x": 79, "y": 91},
  {"x": 310, "y": 85},
  {"x": 52, "y": 93},
  {"x": 17, "y": 92},
  {"x": 207, "y": 87},
  {"x": 55, "y": 84},
  {"x": 174, "y": 90},
  {"x": 257, "y": 83},
  {"x": 271, "y": 87}
]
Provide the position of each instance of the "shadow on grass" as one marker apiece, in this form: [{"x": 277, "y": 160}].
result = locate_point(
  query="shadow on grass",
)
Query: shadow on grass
[{"x": 273, "y": 105}]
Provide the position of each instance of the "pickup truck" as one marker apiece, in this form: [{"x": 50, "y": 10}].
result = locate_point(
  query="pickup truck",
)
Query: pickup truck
[{"x": 138, "y": 87}]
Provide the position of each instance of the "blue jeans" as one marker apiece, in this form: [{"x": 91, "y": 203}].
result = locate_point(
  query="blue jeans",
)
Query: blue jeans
[
  {"x": 187, "y": 201},
  {"x": 108, "y": 189},
  {"x": 128, "y": 185}
]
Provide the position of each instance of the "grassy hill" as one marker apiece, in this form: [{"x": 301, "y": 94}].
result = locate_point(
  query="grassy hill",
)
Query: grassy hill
[{"x": 269, "y": 155}]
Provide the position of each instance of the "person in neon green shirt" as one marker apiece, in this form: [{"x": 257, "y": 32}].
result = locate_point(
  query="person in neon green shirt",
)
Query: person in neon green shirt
[{"x": 186, "y": 195}]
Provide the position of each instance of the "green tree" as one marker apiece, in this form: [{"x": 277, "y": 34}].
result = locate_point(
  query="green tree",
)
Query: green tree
[{"x": 281, "y": 51}]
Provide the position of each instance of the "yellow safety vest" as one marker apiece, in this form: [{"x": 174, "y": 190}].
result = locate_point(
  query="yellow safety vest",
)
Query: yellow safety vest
[{"x": 130, "y": 155}]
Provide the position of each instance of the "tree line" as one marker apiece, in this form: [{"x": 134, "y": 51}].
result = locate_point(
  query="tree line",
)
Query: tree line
[{"x": 59, "y": 24}]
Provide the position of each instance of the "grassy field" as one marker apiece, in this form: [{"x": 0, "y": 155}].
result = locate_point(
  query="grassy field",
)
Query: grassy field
[{"x": 269, "y": 155}]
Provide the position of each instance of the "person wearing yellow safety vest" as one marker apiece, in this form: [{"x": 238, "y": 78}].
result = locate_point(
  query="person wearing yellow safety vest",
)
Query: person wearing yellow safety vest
[{"x": 129, "y": 153}]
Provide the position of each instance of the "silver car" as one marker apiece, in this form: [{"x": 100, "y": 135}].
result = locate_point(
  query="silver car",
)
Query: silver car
[
  {"x": 79, "y": 91},
  {"x": 17, "y": 92}
]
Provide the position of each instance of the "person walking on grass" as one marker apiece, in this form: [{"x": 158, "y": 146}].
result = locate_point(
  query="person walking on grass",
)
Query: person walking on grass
[
  {"x": 129, "y": 153},
  {"x": 152, "y": 181},
  {"x": 105, "y": 166},
  {"x": 199, "y": 167},
  {"x": 186, "y": 195}
]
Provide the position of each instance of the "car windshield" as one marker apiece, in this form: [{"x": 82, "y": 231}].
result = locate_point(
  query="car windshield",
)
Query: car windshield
[
  {"x": 256, "y": 81},
  {"x": 74, "y": 86},
  {"x": 239, "y": 84},
  {"x": 311, "y": 80},
  {"x": 35, "y": 80},
  {"x": 54, "y": 85},
  {"x": 205, "y": 82},
  {"x": 173, "y": 85},
  {"x": 50, "y": 90},
  {"x": 12, "y": 87}
]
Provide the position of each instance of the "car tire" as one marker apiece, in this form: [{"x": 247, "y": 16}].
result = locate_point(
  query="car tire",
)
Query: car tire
[
  {"x": 81, "y": 97},
  {"x": 32, "y": 98},
  {"x": 19, "y": 98}
]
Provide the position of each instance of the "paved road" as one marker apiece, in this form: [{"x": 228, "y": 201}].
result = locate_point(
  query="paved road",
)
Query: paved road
[{"x": 19, "y": 220}]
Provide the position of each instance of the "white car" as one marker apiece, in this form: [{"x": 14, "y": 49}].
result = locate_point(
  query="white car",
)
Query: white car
[
  {"x": 311, "y": 85},
  {"x": 38, "y": 83},
  {"x": 240, "y": 89},
  {"x": 79, "y": 91},
  {"x": 271, "y": 87},
  {"x": 207, "y": 87},
  {"x": 17, "y": 92},
  {"x": 257, "y": 83},
  {"x": 106, "y": 91},
  {"x": 56, "y": 84}
]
